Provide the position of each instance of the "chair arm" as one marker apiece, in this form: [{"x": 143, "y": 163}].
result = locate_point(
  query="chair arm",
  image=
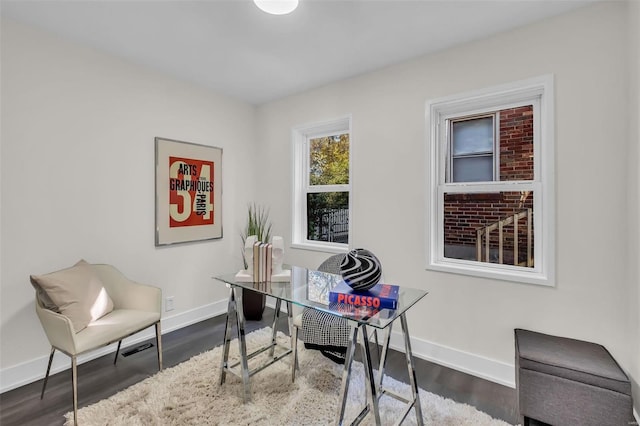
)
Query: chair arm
[
  {"x": 127, "y": 294},
  {"x": 141, "y": 297},
  {"x": 59, "y": 330}
]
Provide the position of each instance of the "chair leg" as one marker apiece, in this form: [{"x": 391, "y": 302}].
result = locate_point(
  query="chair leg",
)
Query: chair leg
[
  {"x": 117, "y": 352},
  {"x": 74, "y": 383},
  {"x": 46, "y": 377},
  {"x": 159, "y": 344}
]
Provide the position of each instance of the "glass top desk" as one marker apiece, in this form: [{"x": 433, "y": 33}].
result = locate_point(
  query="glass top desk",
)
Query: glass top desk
[{"x": 309, "y": 288}]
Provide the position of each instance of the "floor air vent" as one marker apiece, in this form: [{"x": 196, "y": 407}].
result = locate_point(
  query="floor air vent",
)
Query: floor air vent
[{"x": 137, "y": 349}]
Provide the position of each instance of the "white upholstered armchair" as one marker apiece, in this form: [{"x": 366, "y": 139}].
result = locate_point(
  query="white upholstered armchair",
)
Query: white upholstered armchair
[{"x": 88, "y": 306}]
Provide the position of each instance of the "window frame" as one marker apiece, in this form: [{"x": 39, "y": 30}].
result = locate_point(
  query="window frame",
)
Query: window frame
[
  {"x": 301, "y": 187},
  {"x": 538, "y": 91}
]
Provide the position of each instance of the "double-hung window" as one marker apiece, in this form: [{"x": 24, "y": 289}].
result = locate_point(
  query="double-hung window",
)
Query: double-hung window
[
  {"x": 491, "y": 182},
  {"x": 322, "y": 185}
]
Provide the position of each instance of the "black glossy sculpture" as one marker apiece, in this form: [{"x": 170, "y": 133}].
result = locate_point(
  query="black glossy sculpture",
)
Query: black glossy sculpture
[{"x": 361, "y": 269}]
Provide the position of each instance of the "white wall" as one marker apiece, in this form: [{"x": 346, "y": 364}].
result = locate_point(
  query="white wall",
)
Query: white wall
[
  {"x": 78, "y": 132},
  {"x": 77, "y": 181},
  {"x": 634, "y": 197},
  {"x": 587, "y": 53}
]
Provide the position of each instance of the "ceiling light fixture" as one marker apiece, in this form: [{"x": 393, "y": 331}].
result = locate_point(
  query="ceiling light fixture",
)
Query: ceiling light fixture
[{"x": 277, "y": 7}]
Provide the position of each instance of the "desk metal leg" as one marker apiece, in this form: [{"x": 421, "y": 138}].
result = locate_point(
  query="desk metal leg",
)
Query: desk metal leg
[
  {"x": 346, "y": 375},
  {"x": 375, "y": 389},
  {"x": 231, "y": 308},
  {"x": 290, "y": 316},
  {"x": 242, "y": 344},
  {"x": 383, "y": 356},
  {"x": 372, "y": 388},
  {"x": 411, "y": 370},
  {"x": 235, "y": 307},
  {"x": 274, "y": 327},
  {"x": 293, "y": 336}
]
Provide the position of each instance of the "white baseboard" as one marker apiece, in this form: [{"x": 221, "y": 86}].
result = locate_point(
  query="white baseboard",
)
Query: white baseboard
[
  {"x": 476, "y": 365},
  {"x": 466, "y": 362},
  {"x": 486, "y": 368},
  {"x": 33, "y": 370}
]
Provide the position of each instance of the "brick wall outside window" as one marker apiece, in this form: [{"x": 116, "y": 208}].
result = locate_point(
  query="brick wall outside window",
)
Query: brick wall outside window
[
  {"x": 516, "y": 143},
  {"x": 465, "y": 213}
]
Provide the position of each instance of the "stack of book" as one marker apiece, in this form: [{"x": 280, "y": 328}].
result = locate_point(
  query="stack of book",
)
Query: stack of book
[
  {"x": 380, "y": 296},
  {"x": 262, "y": 262}
]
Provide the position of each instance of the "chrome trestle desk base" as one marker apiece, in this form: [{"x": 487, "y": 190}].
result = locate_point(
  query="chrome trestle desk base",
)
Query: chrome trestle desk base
[
  {"x": 235, "y": 306},
  {"x": 297, "y": 291},
  {"x": 375, "y": 388}
]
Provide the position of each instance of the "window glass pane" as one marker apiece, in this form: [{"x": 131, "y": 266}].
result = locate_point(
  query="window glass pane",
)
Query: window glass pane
[
  {"x": 328, "y": 217},
  {"x": 472, "y": 136},
  {"x": 472, "y": 219},
  {"x": 516, "y": 143},
  {"x": 329, "y": 160},
  {"x": 473, "y": 169}
]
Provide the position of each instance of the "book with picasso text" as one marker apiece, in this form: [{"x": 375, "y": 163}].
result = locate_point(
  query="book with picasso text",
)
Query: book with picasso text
[{"x": 380, "y": 296}]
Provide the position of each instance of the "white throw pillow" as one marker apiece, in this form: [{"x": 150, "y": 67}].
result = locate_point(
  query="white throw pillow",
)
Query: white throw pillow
[{"x": 77, "y": 292}]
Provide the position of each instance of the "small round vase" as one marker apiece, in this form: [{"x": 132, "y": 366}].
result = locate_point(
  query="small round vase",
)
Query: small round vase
[{"x": 361, "y": 269}]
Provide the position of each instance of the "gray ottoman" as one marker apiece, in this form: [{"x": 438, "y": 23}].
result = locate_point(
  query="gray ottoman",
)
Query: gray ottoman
[{"x": 567, "y": 382}]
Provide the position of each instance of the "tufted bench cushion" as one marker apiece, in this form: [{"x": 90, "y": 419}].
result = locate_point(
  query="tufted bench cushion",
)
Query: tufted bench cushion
[{"x": 564, "y": 381}]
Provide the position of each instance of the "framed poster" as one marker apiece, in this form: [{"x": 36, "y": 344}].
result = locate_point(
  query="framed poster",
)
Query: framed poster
[{"x": 188, "y": 192}]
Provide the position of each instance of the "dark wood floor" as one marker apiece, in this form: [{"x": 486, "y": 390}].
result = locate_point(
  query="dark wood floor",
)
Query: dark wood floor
[{"x": 99, "y": 378}]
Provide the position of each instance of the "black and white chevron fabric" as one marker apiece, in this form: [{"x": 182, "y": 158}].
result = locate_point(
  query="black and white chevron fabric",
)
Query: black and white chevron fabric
[
  {"x": 325, "y": 332},
  {"x": 361, "y": 269}
]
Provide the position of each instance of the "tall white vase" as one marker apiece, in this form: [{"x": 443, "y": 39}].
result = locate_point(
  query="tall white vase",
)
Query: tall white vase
[
  {"x": 277, "y": 255},
  {"x": 248, "y": 252}
]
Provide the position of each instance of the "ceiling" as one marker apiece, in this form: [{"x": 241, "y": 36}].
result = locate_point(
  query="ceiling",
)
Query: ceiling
[{"x": 236, "y": 49}]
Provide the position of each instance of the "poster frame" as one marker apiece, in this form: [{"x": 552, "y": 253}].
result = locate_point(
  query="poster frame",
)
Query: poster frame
[{"x": 168, "y": 231}]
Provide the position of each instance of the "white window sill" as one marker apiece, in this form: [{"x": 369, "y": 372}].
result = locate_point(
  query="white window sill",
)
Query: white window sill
[
  {"x": 323, "y": 247},
  {"x": 510, "y": 273}
]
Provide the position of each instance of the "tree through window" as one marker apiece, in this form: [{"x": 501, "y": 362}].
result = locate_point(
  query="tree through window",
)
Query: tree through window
[
  {"x": 322, "y": 185},
  {"x": 327, "y": 206}
]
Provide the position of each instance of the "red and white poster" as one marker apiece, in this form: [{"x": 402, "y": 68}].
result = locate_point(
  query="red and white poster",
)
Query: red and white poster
[{"x": 188, "y": 192}]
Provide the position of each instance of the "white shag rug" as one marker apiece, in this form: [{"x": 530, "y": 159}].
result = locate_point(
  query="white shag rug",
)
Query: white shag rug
[{"x": 189, "y": 394}]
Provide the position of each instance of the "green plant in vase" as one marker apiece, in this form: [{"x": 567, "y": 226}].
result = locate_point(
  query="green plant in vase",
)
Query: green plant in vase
[{"x": 258, "y": 224}]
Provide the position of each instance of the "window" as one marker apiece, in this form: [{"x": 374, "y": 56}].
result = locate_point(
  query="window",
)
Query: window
[
  {"x": 322, "y": 185},
  {"x": 491, "y": 182},
  {"x": 472, "y": 149}
]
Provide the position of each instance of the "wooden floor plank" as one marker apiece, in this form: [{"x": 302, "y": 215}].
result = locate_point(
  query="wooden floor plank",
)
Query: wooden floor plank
[{"x": 99, "y": 378}]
